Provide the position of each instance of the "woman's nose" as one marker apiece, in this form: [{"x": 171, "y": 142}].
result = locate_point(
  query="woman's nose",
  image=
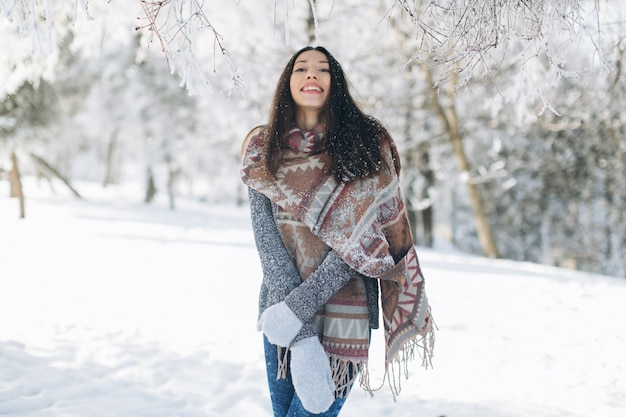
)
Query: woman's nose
[{"x": 312, "y": 74}]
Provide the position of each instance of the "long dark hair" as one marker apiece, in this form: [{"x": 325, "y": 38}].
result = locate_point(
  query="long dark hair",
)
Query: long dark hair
[{"x": 351, "y": 138}]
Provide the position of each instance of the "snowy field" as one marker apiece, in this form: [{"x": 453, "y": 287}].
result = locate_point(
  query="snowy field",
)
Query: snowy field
[{"x": 111, "y": 308}]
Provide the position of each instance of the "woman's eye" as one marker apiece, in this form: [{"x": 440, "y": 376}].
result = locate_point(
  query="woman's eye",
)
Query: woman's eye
[
  {"x": 300, "y": 70},
  {"x": 324, "y": 69}
]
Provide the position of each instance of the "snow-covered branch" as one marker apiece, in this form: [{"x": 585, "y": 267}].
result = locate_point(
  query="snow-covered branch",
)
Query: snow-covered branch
[
  {"x": 460, "y": 36},
  {"x": 177, "y": 25},
  {"x": 35, "y": 19}
]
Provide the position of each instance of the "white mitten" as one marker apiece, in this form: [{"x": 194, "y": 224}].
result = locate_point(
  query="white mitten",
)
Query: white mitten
[
  {"x": 279, "y": 324},
  {"x": 311, "y": 375}
]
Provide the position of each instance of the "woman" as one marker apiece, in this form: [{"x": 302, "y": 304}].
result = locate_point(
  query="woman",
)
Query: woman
[{"x": 331, "y": 231}]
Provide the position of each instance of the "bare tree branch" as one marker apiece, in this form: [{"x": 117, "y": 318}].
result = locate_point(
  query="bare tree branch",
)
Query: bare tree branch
[
  {"x": 460, "y": 36},
  {"x": 176, "y": 25}
]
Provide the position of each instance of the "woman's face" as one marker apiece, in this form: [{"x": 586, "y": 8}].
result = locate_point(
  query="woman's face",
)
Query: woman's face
[{"x": 310, "y": 80}]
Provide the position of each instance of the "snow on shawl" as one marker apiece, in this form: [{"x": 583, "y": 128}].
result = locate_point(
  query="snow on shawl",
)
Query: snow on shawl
[{"x": 365, "y": 222}]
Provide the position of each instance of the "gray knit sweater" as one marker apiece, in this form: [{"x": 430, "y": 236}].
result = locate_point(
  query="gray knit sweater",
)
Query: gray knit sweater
[{"x": 281, "y": 279}]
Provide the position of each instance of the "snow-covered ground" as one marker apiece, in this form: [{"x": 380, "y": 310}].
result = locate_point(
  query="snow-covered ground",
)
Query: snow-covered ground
[{"x": 112, "y": 308}]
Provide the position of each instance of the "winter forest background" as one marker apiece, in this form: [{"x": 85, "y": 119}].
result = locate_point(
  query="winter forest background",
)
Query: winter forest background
[{"x": 509, "y": 115}]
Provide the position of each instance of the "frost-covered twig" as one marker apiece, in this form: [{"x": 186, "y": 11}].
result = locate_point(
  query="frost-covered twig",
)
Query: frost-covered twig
[
  {"x": 461, "y": 35},
  {"x": 35, "y": 18},
  {"x": 176, "y": 25},
  {"x": 30, "y": 18}
]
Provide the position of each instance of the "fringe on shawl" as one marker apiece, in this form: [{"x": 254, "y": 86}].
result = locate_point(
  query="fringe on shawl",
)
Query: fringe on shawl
[
  {"x": 345, "y": 372},
  {"x": 398, "y": 366},
  {"x": 283, "y": 363},
  {"x": 423, "y": 345}
]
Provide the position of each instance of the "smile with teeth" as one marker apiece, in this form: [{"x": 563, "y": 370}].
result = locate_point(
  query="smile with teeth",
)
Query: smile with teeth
[{"x": 311, "y": 88}]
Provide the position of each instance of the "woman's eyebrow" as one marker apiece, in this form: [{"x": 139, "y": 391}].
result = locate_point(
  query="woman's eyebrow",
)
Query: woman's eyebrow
[{"x": 304, "y": 61}]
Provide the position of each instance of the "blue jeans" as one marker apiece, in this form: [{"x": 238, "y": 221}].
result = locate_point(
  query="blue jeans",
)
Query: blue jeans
[{"x": 285, "y": 401}]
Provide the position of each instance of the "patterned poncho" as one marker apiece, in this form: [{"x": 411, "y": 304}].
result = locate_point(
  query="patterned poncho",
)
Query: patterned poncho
[{"x": 365, "y": 222}]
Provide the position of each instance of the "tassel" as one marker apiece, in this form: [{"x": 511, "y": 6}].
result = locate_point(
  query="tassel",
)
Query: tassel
[
  {"x": 283, "y": 353},
  {"x": 344, "y": 374},
  {"x": 398, "y": 366}
]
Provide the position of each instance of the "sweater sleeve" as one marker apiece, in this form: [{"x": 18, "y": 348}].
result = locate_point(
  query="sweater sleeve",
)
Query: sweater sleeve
[
  {"x": 329, "y": 277},
  {"x": 280, "y": 274}
]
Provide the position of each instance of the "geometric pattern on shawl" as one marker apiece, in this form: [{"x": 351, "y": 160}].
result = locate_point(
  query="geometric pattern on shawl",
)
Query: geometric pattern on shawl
[
  {"x": 365, "y": 222},
  {"x": 343, "y": 321}
]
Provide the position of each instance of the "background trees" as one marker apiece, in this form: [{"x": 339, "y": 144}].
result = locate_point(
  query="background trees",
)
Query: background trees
[{"x": 508, "y": 114}]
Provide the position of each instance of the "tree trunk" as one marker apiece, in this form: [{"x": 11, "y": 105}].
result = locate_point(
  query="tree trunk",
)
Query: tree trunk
[
  {"x": 42, "y": 163},
  {"x": 15, "y": 180},
  {"x": 449, "y": 118},
  {"x": 150, "y": 187},
  {"x": 429, "y": 183},
  {"x": 173, "y": 172},
  {"x": 311, "y": 31},
  {"x": 419, "y": 202},
  {"x": 110, "y": 177},
  {"x": 614, "y": 190}
]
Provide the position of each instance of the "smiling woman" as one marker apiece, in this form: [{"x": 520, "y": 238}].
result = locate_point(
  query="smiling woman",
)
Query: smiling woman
[
  {"x": 332, "y": 233},
  {"x": 310, "y": 84}
]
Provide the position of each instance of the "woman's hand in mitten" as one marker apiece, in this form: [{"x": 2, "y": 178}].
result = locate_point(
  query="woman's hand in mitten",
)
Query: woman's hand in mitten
[
  {"x": 311, "y": 375},
  {"x": 279, "y": 324}
]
